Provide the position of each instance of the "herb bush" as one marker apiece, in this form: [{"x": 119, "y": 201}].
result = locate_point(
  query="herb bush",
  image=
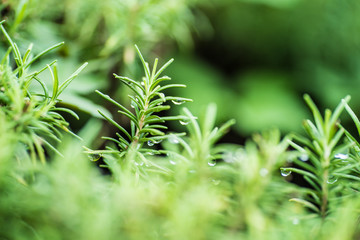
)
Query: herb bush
[{"x": 163, "y": 184}]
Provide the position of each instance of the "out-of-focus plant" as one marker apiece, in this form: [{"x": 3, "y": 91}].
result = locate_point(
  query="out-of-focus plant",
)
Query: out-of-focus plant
[
  {"x": 33, "y": 116},
  {"x": 113, "y": 26}
]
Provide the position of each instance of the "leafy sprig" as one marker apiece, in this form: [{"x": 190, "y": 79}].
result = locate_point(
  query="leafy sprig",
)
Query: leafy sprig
[
  {"x": 199, "y": 148},
  {"x": 148, "y": 100},
  {"x": 322, "y": 159},
  {"x": 34, "y": 116}
]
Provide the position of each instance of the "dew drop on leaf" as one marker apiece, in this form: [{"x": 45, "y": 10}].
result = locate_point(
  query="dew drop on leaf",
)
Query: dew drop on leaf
[
  {"x": 215, "y": 182},
  {"x": 94, "y": 156},
  {"x": 162, "y": 96},
  {"x": 172, "y": 162},
  {"x": 285, "y": 172},
  {"x": 211, "y": 163},
  {"x": 229, "y": 157},
  {"x": 332, "y": 179},
  {"x": 295, "y": 221},
  {"x": 263, "y": 172},
  {"x": 184, "y": 122},
  {"x": 177, "y": 101},
  {"x": 304, "y": 157},
  {"x": 173, "y": 139},
  {"x": 341, "y": 156},
  {"x": 150, "y": 143},
  {"x": 139, "y": 163}
]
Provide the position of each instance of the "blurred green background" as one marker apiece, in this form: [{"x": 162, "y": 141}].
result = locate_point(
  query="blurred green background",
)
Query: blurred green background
[{"x": 253, "y": 58}]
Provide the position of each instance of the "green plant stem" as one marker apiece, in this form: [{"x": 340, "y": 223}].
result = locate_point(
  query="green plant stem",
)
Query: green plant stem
[
  {"x": 141, "y": 125},
  {"x": 325, "y": 193},
  {"x": 324, "y": 185},
  {"x": 142, "y": 118}
]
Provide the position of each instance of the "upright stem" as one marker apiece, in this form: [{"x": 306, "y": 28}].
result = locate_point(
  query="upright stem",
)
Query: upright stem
[
  {"x": 142, "y": 118},
  {"x": 324, "y": 186},
  {"x": 325, "y": 193}
]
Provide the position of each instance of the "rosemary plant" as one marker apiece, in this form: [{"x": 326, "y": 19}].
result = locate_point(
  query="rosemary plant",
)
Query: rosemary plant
[
  {"x": 147, "y": 127},
  {"x": 34, "y": 117},
  {"x": 199, "y": 148},
  {"x": 323, "y": 160}
]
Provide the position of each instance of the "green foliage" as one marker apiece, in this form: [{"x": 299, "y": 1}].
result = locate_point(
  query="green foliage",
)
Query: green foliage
[
  {"x": 324, "y": 161},
  {"x": 147, "y": 127},
  {"x": 163, "y": 183},
  {"x": 33, "y": 116}
]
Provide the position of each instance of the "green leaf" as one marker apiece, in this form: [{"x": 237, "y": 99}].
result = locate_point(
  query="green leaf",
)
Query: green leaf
[
  {"x": 107, "y": 97},
  {"x": 145, "y": 65},
  {"x": 348, "y": 176},
  {"x": 129, "y": 80},
  {"x": 317, "y": 116},
  {"x": 152, "y": 131},
  {"x": 157, "y": 109},
  {"x": 136, "y": 91},
  {"x": 305, "y": 203},
  {"x": 54, "y": 76},
  {"x": 42, "y": 54},
  {"x": 312, "y": 183},
  {"x": 154, "y": 68},
  {"x": 27, "y": 53},
  {"x": 194, "y": 125},
  {"x": 222, "y": 130},
  {"x": 116, "y": 125},
  {"x": 130, "y": 116},
  {"x": 71, "y": 112},
  {"x": 74, "y": 75},
  {"x": 163, "y": 68},
  {"x": 159, "y": 80},
  {"x": 335, "y": 116},
  {"x": 311, "y": 130},
  {"x": 301, "y": 172},
  {"x": 353, "y": 116},
  {"x": 13, "y": 45}
]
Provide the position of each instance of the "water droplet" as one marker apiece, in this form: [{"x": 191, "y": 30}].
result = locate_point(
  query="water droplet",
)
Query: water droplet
[
  {"x": 341, "y": 156},
  {"x": 332, "y": 179},
  {"x": 240, "y": 155},
  {"x": 132, "y": 104},
  {"x": 162, "y": 96},
  {"x": 177, "y": 101},
  {"x": 229, "y": 157},
  {"x": 304, "y": 157},
  {"x": 172, "y": 162},
  {"x": 212, "y": 163},
  {"x": 94, "y": 156},
  {"x": 139, "y": 163},
  {"x": 173, "y": 139},
  {"x": 295, "y": 221},
  {"x": 285, "y": 172},
  {"x": 215, "y": 182},
  {"x": 263, "y": 172},
  {"x": 184, "y": 122},
  {"x": 150, "y": 143},
  {"x": 142, "y": 83}
]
